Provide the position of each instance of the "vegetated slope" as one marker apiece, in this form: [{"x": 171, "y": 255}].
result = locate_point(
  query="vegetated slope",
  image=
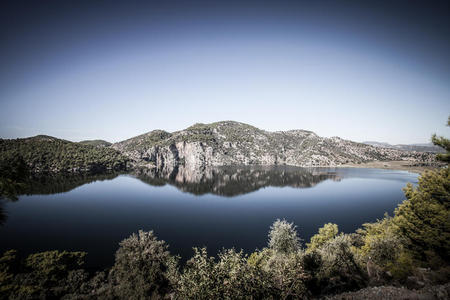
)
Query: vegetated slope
[
  {"x": 234, "y": 143},
  {"x": 428, "y": 147},
  {"x": 96, "y": 143},
  {"x": 43, "y": 154}
]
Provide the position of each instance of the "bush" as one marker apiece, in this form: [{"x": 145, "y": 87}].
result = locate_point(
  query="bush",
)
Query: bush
[
  {"x": 232, "y": 277},
  {"x": 198, "y": 279},
  {"x": 283, "y": 237},
  {"x": 44, "y": 275},
  {"x": 326, "y": 233},
  {"x": 286, "y": 274},
  {"x": 339, "y": 265},
  {"x": 141, "y": 266},
  {"x": 381, "y": 243},
  {"x": 237, "y": 278}
]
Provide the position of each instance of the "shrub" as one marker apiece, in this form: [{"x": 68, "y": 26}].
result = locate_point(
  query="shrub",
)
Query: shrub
[
  {"x": 326, "y": 233},
  {"x": 45, "y": 275},
  {"x": 198, "y": 279},
  {"x": 380, "y": 242},
  {"x": 54, "y": 265},
  {"x": 339, "y": 265},
  {"x": 141, "y": 266},
  {"x": 238, "y": 279},
  {"x": 283, "y": 237},
  {"x": 287, "y": 275}
]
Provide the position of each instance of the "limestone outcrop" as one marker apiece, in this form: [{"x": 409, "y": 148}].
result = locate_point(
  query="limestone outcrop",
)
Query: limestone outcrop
[{"x": 232, "y": 143}]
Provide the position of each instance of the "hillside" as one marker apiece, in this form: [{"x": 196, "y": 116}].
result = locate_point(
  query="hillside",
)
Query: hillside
[
  {"x": 234, "y": 143},
  {"x": 96, "y": 143},
  {"x": 46, "y": 154}
]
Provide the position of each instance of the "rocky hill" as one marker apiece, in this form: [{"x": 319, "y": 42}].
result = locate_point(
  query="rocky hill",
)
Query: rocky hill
[{"x": 233, "y": 143}]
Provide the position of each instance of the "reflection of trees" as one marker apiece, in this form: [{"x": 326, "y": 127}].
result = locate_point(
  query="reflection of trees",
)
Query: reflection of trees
[
  {"x": 232, "y": 181},
  {"x": 63, "y": 183},
  {"x": 53, "y": 184},
  {"x": 3, "y": 215},
  {"x": 43, "y": 184}
]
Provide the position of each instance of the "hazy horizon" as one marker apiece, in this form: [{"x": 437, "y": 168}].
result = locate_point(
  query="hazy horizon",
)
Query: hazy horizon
[{"x": 97, "y": 70}]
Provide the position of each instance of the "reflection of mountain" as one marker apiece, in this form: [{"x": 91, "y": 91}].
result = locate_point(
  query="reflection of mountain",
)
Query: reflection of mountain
[
  {"x": 232, "y": 181},
  {"x": 60, "y": 183},
  {"x": 225, "y": 181}
]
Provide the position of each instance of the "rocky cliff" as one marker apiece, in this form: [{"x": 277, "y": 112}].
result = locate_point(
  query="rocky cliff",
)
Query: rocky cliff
[{"x": 233, "y": 143}]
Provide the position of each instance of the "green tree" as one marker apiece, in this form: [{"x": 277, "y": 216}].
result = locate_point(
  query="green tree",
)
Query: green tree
[
  {"x": 424, "y": 218},
  {"x": 444, "y": 143}
]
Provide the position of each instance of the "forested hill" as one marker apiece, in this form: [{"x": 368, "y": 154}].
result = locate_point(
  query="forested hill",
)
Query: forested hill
[{"x": 46, "y": 154}]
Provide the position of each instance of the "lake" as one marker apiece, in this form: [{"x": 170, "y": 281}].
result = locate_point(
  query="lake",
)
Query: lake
[{"x": 223, "y": 207}]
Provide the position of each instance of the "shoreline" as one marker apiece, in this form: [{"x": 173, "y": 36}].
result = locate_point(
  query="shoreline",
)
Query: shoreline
[{"x": 402, "y": 165}]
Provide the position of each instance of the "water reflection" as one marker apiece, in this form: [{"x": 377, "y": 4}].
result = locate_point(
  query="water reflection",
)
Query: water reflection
[
  {"x": 3, "y": 215},
  {"x": 233, "y": 181},
  {"x": 59, "y": 183},
  {"x": 224, "y": 181}
]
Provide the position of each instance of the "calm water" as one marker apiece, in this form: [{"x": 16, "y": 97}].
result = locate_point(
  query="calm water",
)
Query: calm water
[{"x": 215, "y": 208}]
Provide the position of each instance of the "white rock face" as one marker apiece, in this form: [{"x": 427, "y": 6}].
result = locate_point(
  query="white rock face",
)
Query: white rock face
[{"x": 233, "y": 143}]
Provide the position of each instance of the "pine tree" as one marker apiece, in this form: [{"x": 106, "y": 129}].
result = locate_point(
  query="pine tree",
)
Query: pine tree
[
  {"x": 424, "y": 218},
  {"x": 443, "y": 143}
]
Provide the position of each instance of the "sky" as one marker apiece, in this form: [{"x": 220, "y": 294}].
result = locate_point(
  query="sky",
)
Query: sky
[{"x": 361, "y": 70}]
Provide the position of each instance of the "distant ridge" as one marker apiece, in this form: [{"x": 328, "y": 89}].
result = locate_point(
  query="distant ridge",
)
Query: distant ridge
[
  {"x": 96, "y": 143},
  {"x": 423, "y": 147}
]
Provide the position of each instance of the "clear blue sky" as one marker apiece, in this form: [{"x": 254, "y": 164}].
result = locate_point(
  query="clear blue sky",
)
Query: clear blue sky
[{"x": 350, "y": 69}]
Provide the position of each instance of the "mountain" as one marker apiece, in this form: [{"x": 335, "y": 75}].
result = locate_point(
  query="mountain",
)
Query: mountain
[
  {"x": 96, "y": 143},
  {"x": 232, "y": 143},
  {"x": 46, "y": 154},
  {"x": 225, "y": 143},
  {"x": 425, "y": 147}
]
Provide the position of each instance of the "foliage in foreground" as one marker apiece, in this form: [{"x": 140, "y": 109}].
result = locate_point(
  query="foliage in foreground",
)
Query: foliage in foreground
[
  {"x": 443, "y": 143},
  {"x": 51, "y": 274},
  {"x": 423, "y": 220},
  {"x": 394, "y": 250}
]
